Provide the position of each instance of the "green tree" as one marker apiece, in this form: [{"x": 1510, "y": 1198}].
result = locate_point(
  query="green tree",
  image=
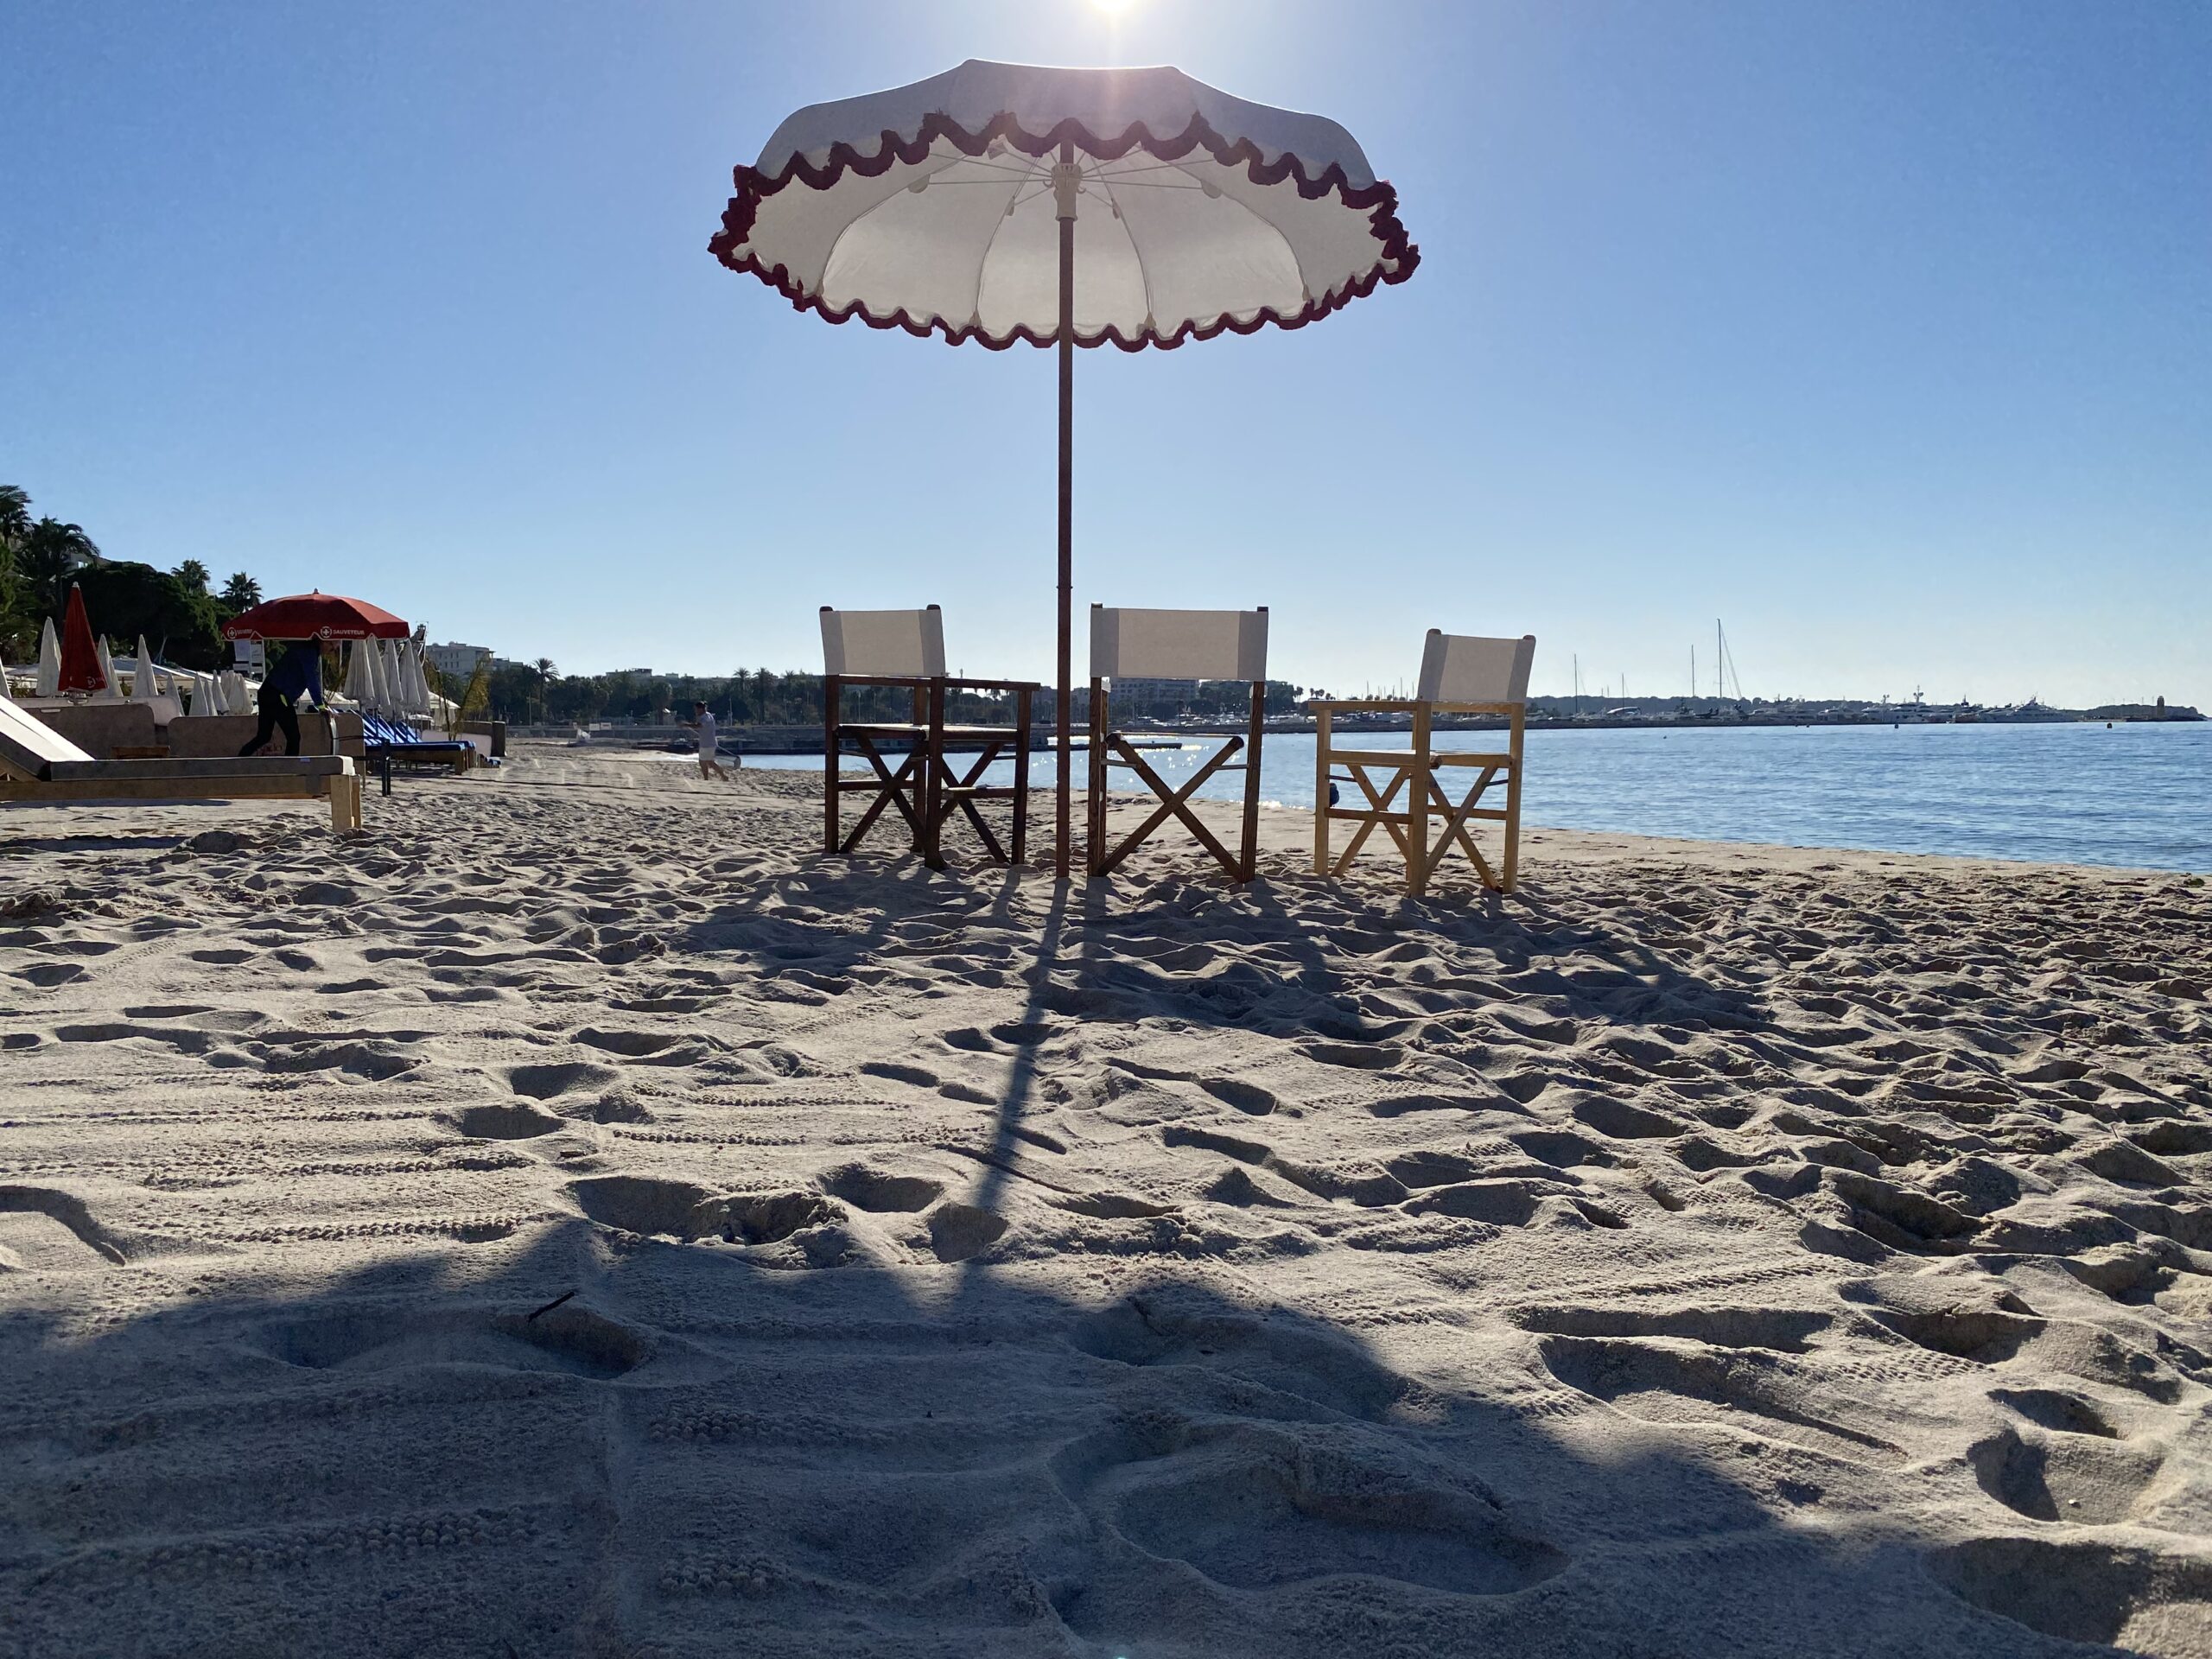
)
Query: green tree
[
  {"x": 124, "y": 599},
  {"x": 193, "y": 574},
  {"x": 241, "y": 593},
  {"x": 48, "y": 557}
]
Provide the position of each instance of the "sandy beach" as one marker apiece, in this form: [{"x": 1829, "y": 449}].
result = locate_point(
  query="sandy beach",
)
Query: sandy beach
[{"x": 578, "y": 1218}]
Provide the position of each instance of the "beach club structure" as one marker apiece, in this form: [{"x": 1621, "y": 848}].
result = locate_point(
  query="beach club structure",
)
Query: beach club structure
[
  {"x": 1001, "y": 202},
  {"x": 41, "y": 765},
  {"x": 80, "y": 739}
]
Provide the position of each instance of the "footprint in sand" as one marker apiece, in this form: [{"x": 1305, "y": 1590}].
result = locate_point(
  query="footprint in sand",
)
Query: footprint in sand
[
  {"x": 1783, "y": 1330},
  {"x": 650, "y": 1207},
  {"x": 959, "y": 1232},
  {"x": 44, "y": 1229},
  {"x": 893, "y": 1072},
  {"x": 2074, "y": 1478},
  {"x": 1244, "y": 1097},
  {"x": 47, "y": 974},
  {"x": 2125, "y": 1595},
  {"x": 1671, "y": 1381},
  {"x": 560, "y": 1077},
  {"x": 570, "y": 1338},
  {"x": 1255, "y": 1509},
  {"x": 500, "y": 1122},
  {"x": 1308, "y": 1365},
  {"x": 878, "y": 1193}
]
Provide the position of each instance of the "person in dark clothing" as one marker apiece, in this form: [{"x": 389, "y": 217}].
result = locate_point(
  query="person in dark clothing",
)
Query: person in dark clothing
[{"x": 298, "y": 674}]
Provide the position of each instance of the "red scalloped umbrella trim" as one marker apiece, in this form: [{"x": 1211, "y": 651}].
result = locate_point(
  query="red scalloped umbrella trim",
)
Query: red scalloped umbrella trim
[
  {"x": 754, "y": 187},
  {"x": 316, "y": 616},
  {"x": 81, "y": 653}
]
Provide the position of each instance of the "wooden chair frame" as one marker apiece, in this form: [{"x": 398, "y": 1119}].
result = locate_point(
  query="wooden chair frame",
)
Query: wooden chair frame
[
  {"x": 1107, "y": 744},
  {"x": 924, "y": 786},
  {"x": 1415, "y": 771}
]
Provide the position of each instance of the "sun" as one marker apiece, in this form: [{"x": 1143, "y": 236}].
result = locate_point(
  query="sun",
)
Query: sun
[{"x": 1113, "y": 8}]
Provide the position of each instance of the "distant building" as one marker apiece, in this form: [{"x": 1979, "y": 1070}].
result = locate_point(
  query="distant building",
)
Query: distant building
[
  {"x": 455, "y": 662},
  {"x": 1133, "y": 696}
]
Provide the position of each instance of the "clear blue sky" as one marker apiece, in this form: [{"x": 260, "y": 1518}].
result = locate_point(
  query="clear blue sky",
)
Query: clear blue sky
[{"x": 1882, "y": 329}]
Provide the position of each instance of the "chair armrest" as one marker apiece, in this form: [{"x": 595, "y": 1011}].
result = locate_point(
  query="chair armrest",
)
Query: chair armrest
[{"x": 1363, "y": 705}]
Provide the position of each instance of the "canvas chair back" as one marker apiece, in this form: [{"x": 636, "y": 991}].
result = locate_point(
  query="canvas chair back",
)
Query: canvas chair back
[
  {"x": 905, "y": 644},
  {"x": 29, "y": 746},
  {"x": 1178, "y": 645},
  {"x": 1463, "y": 668}
]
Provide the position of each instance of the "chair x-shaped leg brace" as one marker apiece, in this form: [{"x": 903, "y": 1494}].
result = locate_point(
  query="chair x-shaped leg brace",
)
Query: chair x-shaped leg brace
[{"x": 1174, "y": 803}]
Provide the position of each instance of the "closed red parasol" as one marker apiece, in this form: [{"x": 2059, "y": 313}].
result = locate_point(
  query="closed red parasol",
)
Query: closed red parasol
[
  {"x": 316, "y": 616},
  {"x": 80, "y": 654}
]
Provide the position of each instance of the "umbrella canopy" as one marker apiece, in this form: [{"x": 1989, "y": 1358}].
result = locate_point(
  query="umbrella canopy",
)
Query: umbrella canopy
[
  {"x": 144, "y": 684},
  {"x": 314, "y": 616},
  {"x": 357, "y": 675},
  {"x": 49, "y": 660},
  {"x": 79, "y": 669},
  {"x": 417, "y": 683},
  {"x": 935, "y": 207},
  {"x": 999, "y": 202}
]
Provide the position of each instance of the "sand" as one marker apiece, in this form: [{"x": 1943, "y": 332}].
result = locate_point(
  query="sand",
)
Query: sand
[{"x": 578, "y": 1220}]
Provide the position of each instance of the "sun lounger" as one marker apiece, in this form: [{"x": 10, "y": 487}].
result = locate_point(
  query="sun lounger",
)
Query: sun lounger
[
  {"x": 384, "y": 742},
  {"x": 39, "y": 766},
  {"x": 1174, "y": 645},
  {"x": 1459, "y": 674}
]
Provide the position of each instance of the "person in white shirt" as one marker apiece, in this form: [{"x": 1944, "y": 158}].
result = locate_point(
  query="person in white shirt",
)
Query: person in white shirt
[{"x": 702, "y": 721}]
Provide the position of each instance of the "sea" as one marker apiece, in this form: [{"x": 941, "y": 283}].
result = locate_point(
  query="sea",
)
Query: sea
[{"x": 2138, "y": 796}]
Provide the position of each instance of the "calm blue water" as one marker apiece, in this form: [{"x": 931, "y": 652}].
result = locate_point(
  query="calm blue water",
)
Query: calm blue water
[{"x": 2076, "y": 794}]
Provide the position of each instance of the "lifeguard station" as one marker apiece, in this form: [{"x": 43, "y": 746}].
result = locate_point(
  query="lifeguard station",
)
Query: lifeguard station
[{"x": 1400, "y": 789}]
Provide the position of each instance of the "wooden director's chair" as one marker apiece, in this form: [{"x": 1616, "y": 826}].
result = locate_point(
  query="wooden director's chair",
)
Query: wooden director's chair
[
  {"x": 1459, "y": 674},
  {"x": 1129, "y": 645},
  {"x": 906, "y": 648}
]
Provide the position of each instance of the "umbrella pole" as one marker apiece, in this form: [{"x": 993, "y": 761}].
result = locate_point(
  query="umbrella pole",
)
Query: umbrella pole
[{"x": 1064, "y": 189}]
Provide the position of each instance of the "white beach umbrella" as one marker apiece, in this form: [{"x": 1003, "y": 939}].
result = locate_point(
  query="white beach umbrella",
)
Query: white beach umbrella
[
  {"x": 372, "y": 673},
  {"x": 357, "y": 673},
  {"x": 422, "y": 678},
  {"x": 380, "y": 669},
  {"x": 49, "y": 661},
  {"x": 145, "y": 684},
  {"x": 998, "y": 202},
  {"x": 110, "y": 691}
]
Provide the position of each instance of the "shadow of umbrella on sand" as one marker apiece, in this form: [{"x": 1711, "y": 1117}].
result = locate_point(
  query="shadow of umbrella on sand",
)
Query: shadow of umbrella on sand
[{"x": 998, "y": 202}]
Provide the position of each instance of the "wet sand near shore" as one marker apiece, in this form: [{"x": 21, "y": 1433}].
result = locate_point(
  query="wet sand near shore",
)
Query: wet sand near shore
[{"x": 579, "y": 1218}]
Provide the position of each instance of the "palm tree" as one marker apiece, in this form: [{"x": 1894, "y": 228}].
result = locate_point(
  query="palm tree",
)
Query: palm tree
[
  {"x": 546, "y": 674},
  {"x": 194, "y": 575},
  {"x": 241, "y": 593},
  {"x": 48, "y": 554},
  {"x": 15, "y": 515}
]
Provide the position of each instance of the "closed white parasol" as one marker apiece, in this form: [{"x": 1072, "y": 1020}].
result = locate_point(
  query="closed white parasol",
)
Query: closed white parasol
[{"x": 998, "y": 202}]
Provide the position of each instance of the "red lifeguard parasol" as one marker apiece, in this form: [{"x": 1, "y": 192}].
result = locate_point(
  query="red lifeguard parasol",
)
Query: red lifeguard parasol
[
  {"x": 81, "y": 653},
  {"x": 316, "y": 616}
]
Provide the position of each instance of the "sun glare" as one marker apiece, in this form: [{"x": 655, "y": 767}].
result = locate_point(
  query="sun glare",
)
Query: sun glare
[{"x": 1113, "y": 8}]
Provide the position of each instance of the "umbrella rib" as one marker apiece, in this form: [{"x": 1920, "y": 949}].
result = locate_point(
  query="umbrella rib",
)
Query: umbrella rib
[
  {"x": 1128, "y": 230},
  {"x": 1014, "y": 202}
]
